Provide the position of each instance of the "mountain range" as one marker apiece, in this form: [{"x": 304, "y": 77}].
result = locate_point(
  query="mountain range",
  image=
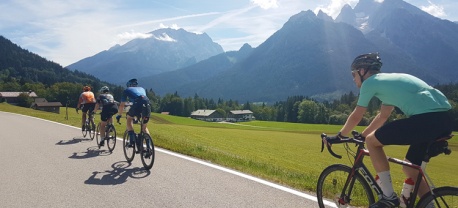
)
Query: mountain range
[{"x": 310, "y": 55}]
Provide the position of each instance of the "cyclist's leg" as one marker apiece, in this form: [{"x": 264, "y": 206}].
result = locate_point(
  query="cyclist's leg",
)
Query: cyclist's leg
[
  {"x": 84, "y": 112},
  {"x": 146, "y": 113}
]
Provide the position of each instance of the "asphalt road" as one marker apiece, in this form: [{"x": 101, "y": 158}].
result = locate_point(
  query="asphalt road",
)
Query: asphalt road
[{"x": 46, "y": 164}]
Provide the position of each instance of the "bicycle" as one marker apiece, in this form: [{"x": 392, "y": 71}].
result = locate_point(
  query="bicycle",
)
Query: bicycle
[
  {"x": 110, "y": 135},
  {"x": 146, "y": 153},
  {"x": 88, "y": 126},
  {"x": 355, "y": 186}
]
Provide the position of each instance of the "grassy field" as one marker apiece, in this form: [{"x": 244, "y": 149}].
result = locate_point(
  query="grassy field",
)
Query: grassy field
[{"x": 284, "y": 153}]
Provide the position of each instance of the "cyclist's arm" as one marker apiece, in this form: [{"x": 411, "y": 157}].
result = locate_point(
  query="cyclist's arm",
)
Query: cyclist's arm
[
  {"x": 353, "y": 120},
  {"x": 379, "y": 120},
  {"x": 96, "y": 107},
  {"x": 80, "y": 100}
]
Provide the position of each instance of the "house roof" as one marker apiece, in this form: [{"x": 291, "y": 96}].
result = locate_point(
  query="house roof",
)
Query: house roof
[
  {"x": 16, "y": 94},
  {"x": 238, "y": 112},
  {"x": 48, "y": 104},
  {"x": 202, "y": 112}
]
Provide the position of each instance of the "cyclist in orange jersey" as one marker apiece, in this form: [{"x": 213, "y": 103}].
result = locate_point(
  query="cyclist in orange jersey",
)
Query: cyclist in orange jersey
[{"x": 86, "y": 102}]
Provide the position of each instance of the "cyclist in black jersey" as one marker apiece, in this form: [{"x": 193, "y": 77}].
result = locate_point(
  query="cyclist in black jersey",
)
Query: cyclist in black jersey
[{"x": 109, "y": 108}]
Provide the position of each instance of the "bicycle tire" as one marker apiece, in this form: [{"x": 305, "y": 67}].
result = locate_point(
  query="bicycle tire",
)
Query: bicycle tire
[
  {"x": 147, "y": 153},
  {"x": 97, "y": 135},
  {"x": 446, "y": 196},
  {"x": 330, "y": 186},
  {"x": 91, "y": 125},
  {"x": 110, "y": 136},
  {"x": 84, "y": 132},
  {"x": 129, "y": 152}
]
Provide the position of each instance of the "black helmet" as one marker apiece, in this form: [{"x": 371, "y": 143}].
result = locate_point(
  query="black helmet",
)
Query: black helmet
[
  {"x": 132, "y": 83},
  {"x": 369, "y": 61}
]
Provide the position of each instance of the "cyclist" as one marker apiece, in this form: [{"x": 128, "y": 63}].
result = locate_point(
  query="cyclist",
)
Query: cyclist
[
  {"x": 87, "y": 102},
  {"x": 428, "y": 119},
  {"x": 140, "y": 105},
  {"x": 109, "y": 108}
]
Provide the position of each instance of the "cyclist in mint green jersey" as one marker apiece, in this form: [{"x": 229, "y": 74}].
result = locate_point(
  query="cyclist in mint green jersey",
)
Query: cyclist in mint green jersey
[{"x": 428, "y": 119}]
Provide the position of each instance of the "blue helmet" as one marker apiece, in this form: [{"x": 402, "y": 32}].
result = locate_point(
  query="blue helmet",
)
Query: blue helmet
[{"x": 132, "y": 83}]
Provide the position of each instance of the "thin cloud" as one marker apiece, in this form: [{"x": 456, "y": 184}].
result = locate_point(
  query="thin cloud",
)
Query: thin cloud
[
  {"x": 265, "y": 4},
  {"x": 434, "y": 9}
]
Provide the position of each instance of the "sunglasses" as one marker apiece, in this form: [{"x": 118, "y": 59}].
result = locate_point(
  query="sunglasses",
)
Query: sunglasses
[{"x": 353, "y": 73}]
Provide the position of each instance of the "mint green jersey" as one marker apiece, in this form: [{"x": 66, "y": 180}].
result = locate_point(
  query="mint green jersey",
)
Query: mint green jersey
[{"x": 410, "y": 94}]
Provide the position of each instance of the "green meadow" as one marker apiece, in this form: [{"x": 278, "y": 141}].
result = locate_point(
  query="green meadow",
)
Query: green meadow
[{"x": 283, "y": 153}]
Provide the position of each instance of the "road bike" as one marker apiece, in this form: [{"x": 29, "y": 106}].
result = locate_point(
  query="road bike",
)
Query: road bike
[
  {"x": 110, "y": 135},
  {"x": 89, "y": 126},
  {"x": 145, "y": 147},
  {"x": 355, "y": 186}
]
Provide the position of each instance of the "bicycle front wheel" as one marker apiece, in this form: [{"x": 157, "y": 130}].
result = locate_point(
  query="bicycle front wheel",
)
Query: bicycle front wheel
[
  {"x": 129, "y": 152},
  {"x": 97, "y": 135},
  {"x": 331, "y": 184},
  {"x": 110, "y": 136},
  {"x": 443, "y": 197},
  {"x": 147, "y": 152}
]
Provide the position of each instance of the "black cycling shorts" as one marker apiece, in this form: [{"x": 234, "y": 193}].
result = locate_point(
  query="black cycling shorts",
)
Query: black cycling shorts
[
  {"x": 417, "y": 131},
  {"x": 108, "y": 111},
  {"x": 88, "y": 107},
  {"x": 141, "y": 107}
]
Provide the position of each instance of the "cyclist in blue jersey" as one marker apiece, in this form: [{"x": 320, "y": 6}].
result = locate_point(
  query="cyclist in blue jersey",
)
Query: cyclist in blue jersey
[
  {"x": 140, "y": 107},
  {"x": 428, "y": 119}
]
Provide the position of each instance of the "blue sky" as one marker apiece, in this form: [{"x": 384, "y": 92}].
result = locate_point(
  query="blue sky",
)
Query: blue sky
[{"x": 66, "y": 31}]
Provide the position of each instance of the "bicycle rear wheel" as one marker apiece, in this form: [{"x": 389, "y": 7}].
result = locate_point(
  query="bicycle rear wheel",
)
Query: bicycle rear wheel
[
  {"x": 91, "y": 126},
  {"x": 443, "y": 197},
  {"x": 147, "y": 152},
  {"x": 97, "y": 135},
  {"x": 84, "y": 132},
  {"x": 129, "y": 152},
  {"x": 110, "y": 137},
  {"x": 331, "y": 186}
]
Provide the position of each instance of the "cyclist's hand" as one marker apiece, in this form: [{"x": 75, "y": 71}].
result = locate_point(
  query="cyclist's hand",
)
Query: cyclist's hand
[
  {"x": 118, "y": 117},
  {"x": 77, "y": 109},
  {"x": 360, "y": 137}
]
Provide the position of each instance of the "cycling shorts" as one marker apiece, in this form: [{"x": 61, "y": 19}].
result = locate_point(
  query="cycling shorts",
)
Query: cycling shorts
[
  {"x": 88, "y": 107},
  {"x": 141, "y": 107},
  {"x": 418, "y": 131},
  {"x": 108, "y": 111}
]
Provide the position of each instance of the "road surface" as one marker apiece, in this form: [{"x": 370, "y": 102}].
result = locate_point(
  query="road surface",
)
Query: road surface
[{"x": 47, "y": 164}]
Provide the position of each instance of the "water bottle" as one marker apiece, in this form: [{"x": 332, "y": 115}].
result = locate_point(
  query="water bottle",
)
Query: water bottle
[{"x": 407, "y": 189}]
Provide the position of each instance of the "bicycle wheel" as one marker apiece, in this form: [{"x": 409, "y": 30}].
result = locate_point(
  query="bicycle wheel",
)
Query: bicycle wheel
[
  {"x": 331, "y": 186},
  {"x": 110, "y": 135},
  {"x": 147, "y": 152},
  {"x": 84, "y": 132},
  {"x": 129, "y": 152},
  {"x": 91, "y": 130},
  {"x": 97, "y": 135},
  {"x": 443, "y": 197}
]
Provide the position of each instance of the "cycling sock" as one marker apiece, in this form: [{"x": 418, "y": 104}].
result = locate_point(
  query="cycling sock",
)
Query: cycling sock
[
  {"x": 132, "y": 135},
  {"x": 385, "y": 183}
]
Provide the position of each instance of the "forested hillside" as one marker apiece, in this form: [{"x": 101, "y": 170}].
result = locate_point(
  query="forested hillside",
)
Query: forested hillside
[{"x": 21, "y": 70}]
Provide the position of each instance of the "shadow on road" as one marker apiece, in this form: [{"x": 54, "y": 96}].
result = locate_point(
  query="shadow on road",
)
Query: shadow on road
[
  {"x": 75, "y": 140},
  {"x": 120, "y": 173},
  {"x": 90, "y": 153}
]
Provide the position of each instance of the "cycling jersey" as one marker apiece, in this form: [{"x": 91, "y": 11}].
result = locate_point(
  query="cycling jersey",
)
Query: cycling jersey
[
  {"x": 410, "y": 94},
  {"x": 87, "y": 97},
  {"x": 132, "y": 93},
  {"x": 105, "y": 99}
]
